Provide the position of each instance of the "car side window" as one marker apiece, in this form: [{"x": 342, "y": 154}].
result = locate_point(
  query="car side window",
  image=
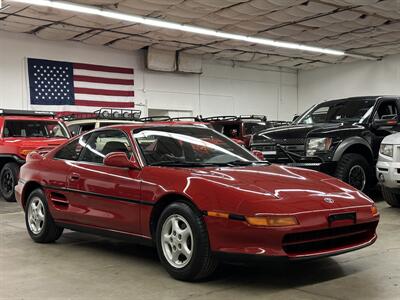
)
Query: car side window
[
  {"x": 386, "y": 110},
  {"x": 104, "y": 142},
  {"x": 72, "y": 150}
]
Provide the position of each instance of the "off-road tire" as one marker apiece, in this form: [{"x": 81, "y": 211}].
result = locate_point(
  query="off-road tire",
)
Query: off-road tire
[
  {"x": 347, "y": 162},
  {"x": 8, "y": 180}
]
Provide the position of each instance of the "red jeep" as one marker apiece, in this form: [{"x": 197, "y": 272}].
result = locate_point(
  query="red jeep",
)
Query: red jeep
[{"x": 22, "y": 132}]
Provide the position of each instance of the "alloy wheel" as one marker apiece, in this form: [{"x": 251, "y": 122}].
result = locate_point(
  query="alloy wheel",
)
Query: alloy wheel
[
  {"x": 36, "y": 215},
  {"x": 177, "y": 241}
]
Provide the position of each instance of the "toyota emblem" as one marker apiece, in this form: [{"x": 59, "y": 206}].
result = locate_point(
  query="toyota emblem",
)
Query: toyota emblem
[{"x": 329, "y": 200}]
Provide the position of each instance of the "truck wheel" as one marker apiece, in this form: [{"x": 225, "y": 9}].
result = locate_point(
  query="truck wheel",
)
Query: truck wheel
[
  {"x": 182, "y": 243},
  {"x": 391, "y": 198},
  {"x": 354, "y": 169},
  {"x": 8, "y": 180}
]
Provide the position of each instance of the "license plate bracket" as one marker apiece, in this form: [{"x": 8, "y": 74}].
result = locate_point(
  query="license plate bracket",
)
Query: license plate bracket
[{"x": 342, "y": 218}]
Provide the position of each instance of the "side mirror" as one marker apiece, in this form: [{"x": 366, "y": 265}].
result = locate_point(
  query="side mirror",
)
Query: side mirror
[
  {"x": 295, "y": 117},
  {"x": 120, "y": 160},
  {"x": 258, "y": 154},
  {"x": 385, "y": 123}
]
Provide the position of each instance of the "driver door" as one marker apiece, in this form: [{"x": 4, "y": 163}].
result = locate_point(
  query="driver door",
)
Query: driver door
[{"x": 105, "y": 197}]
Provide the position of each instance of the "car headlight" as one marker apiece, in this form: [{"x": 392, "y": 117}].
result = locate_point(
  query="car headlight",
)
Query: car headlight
[
  {"x": 317, "y": 145},
  {"x": 386, "y": 149}
]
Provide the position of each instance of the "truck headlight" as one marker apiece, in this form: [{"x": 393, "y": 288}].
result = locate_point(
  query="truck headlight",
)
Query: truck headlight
[
  {"x": 314, "y": 145},
  {"x": 386, "y": 149}
]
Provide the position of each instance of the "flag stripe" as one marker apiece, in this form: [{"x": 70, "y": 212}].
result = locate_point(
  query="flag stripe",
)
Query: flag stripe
[
  {"x": 104, "y": 103},
  {"x": 103, "y": 68},
  {"x": 103, "y": 92},
  {"x": 103, "y": 74},
  {"x": 104, "y": 98},
  {"x": 102, "y": 86},
  {"x": 103, "y": 80}
]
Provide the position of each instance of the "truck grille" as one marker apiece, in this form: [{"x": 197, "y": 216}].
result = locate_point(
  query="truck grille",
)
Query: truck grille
[
  {"x": 328, "y": 239},
  {"x": 292, "y": 145}
]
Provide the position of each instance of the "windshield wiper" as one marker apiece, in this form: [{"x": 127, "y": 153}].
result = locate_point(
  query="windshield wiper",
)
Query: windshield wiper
[
  {"x": 179, "y": 163},
  {"x": 244, "y": 162}
]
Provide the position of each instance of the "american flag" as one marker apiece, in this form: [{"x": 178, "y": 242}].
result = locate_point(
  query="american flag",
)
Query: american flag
[{"x": 65, "y": 86}]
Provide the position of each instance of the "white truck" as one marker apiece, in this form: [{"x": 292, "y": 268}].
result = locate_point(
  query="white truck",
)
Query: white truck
[{"x": 388, "y": 169}]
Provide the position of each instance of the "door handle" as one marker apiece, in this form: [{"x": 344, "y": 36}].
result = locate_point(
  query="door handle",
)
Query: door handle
[{"x": 74, "y": 176}]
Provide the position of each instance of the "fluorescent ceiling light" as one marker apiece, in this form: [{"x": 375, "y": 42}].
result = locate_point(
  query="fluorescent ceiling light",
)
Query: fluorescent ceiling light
[{"x": 92, "y": 10}]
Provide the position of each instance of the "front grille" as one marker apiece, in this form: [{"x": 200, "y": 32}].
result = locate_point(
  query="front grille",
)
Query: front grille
[{"x": 328, "y": 239}]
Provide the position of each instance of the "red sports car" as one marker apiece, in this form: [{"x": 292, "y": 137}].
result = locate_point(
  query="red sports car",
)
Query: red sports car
[{"x": 194, "y": 194}]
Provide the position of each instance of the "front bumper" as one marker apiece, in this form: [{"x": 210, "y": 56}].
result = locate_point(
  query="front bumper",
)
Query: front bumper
[
  {"x": 313, "y": 238},
  {"x": 388, "y": 174},
  {"x": 325, "y": 167}
]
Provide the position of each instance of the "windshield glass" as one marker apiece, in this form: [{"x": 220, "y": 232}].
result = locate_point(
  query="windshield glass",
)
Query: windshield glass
[
  {"x": 337, "y": 112},
  {"x": 184, "y": 145},
  {"x": 43, "y": 129},
  {"x": 253, "y": 127}
]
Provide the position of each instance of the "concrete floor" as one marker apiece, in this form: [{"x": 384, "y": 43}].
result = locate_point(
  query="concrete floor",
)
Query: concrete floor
[{"x": 81, "y": 266}]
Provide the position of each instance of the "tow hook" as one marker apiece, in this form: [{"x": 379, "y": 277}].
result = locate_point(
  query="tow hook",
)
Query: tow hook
[{"x": 381, "y": 178}]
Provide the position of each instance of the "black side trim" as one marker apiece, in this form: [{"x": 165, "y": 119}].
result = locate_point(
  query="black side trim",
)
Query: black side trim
[
  {"x": 108, "y": 233},
  {"x": 100, "y": 195}
]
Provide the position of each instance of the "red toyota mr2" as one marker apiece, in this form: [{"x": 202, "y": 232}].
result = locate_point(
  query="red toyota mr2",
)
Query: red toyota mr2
[{"x": 194, "y": 194}]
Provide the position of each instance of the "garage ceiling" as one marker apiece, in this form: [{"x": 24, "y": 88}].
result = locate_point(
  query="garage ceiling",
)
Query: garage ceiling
[{"x": 368, "y": 27}]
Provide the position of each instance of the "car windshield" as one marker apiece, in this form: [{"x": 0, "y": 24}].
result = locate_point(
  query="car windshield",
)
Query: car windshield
[
  {"x": 254, "y": 127},
  {"x": 42, "y": 129},
  {"x": 345, "y": 111},
  {"x": 190, "y": 146}
]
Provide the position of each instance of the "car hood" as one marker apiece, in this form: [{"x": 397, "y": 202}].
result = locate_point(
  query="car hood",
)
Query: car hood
[
  {"x": 272, "y": 188},
  {"x": 302, "y": 131}
]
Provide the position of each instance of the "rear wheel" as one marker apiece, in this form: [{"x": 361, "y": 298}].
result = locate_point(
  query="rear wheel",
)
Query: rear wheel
[
  {"x": 8, "y": 180},
  {"x": 182, "y": 243},
  {"x": 39, "y": 222},
  {"x": 354, "y": 169},
  {"x": 393, "y": 199}
]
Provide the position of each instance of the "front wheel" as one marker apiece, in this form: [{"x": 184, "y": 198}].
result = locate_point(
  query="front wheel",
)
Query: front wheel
[
  {"x": 354, "y": 169},
  {"x": 393, "y": 199},
  {"x": 8, "y": 180},
  {"x": 182, "y": 243},
  {"x": 39, "y": 222}
]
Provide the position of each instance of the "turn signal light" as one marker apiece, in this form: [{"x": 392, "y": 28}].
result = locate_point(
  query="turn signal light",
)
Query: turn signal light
[
  {"x": 374, "y": 210},
  {"x": 25, "y": 152},
  {"x": 272, "y": 221},
  {"x": 218, "y": 214}
]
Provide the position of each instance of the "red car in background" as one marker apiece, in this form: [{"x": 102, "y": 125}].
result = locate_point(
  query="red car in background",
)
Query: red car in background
[
  {"x": 194, "y": 194},
  {"x": 23, "y": 131}
]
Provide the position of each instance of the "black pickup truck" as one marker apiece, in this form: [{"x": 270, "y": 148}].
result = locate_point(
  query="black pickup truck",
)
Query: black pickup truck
[{"x": 339, "y": 137}]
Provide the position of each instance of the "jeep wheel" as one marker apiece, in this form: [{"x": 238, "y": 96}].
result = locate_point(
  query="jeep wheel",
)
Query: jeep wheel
[
  {"x": 182, "y": 243},
  {"x": 354, "y": 169},
  {"x": 391, "y": 198},
  {"x": 8, "y": 180}
]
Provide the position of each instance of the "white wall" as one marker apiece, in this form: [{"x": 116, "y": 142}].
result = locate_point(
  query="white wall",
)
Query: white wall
[
  {"x": 221, "y": 89},
  {"x": 353, "y": 79}
]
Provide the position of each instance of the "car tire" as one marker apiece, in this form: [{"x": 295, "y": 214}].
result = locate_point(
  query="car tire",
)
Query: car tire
[
  {"x": 39, "y": 222},
  {"x": 390, "y": 197},
  {"x": 8, "y": 180},
  {"x": 181, "y": 228},
  {"x": 354, "y": 169}
]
